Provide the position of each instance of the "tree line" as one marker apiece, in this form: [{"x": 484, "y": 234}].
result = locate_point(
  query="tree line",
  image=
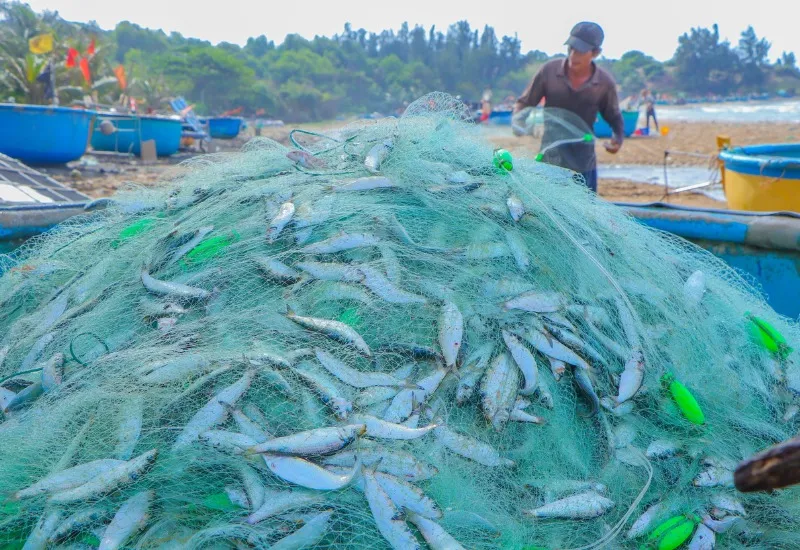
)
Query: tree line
[{"x": 352, "y": 72}]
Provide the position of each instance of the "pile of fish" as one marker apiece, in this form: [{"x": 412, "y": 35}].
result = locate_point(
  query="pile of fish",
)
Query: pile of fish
[{"x": 384, "y": 342}]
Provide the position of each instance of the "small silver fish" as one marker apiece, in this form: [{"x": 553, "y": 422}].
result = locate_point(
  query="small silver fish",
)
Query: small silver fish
[
  {"x": 340, "y": 243},
  {"x": 703, "y": 539},
  {"x": 175, "y": 290},
  {"x": 499, "y": 391},
  {"x": 277, "y": 270},
  {"x": 451, "y": 333},
  {"x": 376, "y": 155},
  {"x": 131, "y": 517},
  {"x": 199, "y": 235},
  {"x": 306, "y": 474},
  {"x": 382, "y": 287},
  {"x": 515, "y": 207},
  {"x": 434, "y": 534},
  {"x": 536, "y": 302},
  {"x": 281, "y": 220},
  {"x": 632, "y": 376},
  {"x": 582, "y": 506},
  {"x": 524, "y": 360},
  {"x": 333, "y": 329},
  {"x": 353, "y": 377},
  {"x": 387, "y": 517},
  {"x": 331, "y": 271},
  {"x": 471, "y": 448},
  {"x": 376, "y": 427},
  {"x": 308, "y": 536},
  {"x": 109, "y": 480},
  {"x": 319, "y": 441}
]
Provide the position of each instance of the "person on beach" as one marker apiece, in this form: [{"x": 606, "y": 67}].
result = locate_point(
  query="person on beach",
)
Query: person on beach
[
  {"x": 650, "y": 104},
  {"x": 578, "y": 85}
]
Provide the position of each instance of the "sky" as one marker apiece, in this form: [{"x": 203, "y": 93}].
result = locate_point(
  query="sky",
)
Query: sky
[{"x": 652, "y": 26}]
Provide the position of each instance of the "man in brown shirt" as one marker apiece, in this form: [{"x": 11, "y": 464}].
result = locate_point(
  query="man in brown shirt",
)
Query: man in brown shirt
[{"x": 578, "y": 85}]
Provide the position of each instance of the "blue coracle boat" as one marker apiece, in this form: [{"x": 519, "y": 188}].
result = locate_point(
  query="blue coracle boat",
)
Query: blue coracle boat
[
  {"x": 224, "y": 127},
  {"x": 129, "y": 131},
  {"x": 44, "y": 134}
]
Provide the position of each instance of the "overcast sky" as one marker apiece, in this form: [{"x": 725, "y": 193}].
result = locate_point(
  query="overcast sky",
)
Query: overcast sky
[{"x": 652, "y": 26}]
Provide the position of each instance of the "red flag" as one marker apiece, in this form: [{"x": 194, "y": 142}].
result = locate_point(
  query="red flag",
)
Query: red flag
[
  {"x": 119, "y": 72},
  {"x": 90, "y": 51},
  {"x": 72, "y": 56},
  {"x": 87, "y": 75}
]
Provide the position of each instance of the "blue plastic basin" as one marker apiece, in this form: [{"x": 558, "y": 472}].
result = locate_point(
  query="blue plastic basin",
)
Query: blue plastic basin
[
  {"x": 603, "y": 130},
  {"x": 133, "y": 129},
  {"x": 224, "y": 127},
  {"x": 43, "y": 134}
]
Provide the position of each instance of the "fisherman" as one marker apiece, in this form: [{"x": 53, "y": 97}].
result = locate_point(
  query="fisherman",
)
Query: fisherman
[{"x": 578, "y": 85}]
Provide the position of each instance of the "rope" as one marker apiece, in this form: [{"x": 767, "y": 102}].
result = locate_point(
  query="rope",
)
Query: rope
[
  {"x": 72, "y": 342},
  {"x": 20, "y": 373}
]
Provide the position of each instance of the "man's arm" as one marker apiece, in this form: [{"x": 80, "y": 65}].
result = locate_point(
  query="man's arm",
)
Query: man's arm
[
  {"x": 533, "y": 94},
  {"x": 611, "y": 113}
]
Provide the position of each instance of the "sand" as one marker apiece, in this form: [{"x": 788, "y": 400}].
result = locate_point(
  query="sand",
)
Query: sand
[{"x": 699, "y": 139}]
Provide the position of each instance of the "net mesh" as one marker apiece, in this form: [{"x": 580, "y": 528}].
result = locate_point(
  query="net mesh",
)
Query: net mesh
[{"x": 452, "y": 238}]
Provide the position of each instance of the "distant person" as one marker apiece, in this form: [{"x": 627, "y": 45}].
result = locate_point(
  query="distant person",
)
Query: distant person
[
  {"x": 650, "y": 104},
  {"x": 578, "y": 85}
]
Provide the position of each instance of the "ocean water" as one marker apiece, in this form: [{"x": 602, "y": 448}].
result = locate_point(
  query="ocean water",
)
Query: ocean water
[{"x": 746, "y": 112}]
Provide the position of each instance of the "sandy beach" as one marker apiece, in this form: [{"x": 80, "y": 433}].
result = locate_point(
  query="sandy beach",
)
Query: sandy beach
[{"x": 698, "y": 138}]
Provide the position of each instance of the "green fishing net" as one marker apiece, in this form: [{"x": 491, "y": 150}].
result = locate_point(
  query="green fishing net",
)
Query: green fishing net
[{"x": 286, "y": 264}]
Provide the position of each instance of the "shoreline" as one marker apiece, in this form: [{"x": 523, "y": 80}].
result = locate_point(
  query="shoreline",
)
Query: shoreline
[{"x": 696, "y": 138}]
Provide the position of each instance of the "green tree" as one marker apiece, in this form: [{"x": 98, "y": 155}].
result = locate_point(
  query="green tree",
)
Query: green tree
[
  {"x": 753, "y": 52},
  {"x": 704, "y": 63}
]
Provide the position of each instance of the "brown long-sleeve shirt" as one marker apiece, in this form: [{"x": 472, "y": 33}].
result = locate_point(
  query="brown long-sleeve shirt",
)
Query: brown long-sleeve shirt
[{"x": 598, "y": 94}]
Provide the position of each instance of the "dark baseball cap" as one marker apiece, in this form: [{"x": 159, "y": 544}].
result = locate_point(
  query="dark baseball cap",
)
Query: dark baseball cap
[{"x": 585, "y": 37}]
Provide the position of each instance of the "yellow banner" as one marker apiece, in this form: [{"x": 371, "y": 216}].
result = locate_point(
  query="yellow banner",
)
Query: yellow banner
[{"x": 42, "y": 43}]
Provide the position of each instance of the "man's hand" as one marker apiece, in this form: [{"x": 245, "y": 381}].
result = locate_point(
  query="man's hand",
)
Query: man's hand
[{"x": 612, "y": 146}]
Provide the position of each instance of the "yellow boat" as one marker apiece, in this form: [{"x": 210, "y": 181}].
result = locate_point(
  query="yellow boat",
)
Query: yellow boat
[{"x": 764, "y": 178}]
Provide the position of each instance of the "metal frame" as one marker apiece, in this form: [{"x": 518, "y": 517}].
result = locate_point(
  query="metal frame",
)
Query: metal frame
[{"x": 41, "y": 183}]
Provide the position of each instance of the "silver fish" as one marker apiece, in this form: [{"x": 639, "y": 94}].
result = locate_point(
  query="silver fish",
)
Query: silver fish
[
  {"x": 319, "y": 441},
  {"x": 330, "y": 271},
  {"x": 196, "y": 239},
  {"x": 703, "y": 539},
  {"x": 404, "y": 402},
  {"x": 308, "y": 536},
  {"x": 365, "y": 184},
  {"x": 69, "y": 478},
  {"x": 471, "y": 372},
  {"x": 387, "y": 517},
  {"x": 281, "y": 220},
  {"x": 174, "y": 290},
  {"x": 327, "y": 390},
  {"x": 721, "y": 526},
  {"x": 78, "y": 521},
  {"x": 233, "y": 442},
  {"x": 583, "y": 381},
  {"x": 515, "y": 207},
  {"x": 376, "y": 155},
  {"x": 714, "y": 476},
  {"x": 551, "y": 347},
  {"x": 277, "y": 270},
  {"x": 340, "y": 243},
  {"x": 333, "y": 329},
  {"x": 632, "y": 376},
  {"x": 36, "y": 351},
  {"x": 694, "y": 288},
  {"x": 571, "y": 340},
  {"x": 214, "y": 412},
  {"x": 376, "y": 427},
  {"x": 306, "y": 474},
  {"x": 382, "y": 287},
  {"x": 518, "y": 249},
  {"x": 643, "y": 524},
  {"x": 407, "y": 496},
  {"x": 451, "y": 333},
  {"x": 524, "y": 360},
  {"x": 536, "y": 302},
  {"x": 434, "y": 534},
  {"x": 129, "y": 429},
  {"x": 395, "y": 462},
  {"x": 353, "y": 377},
  {"x": 249, "y": 427},
  {"x": 499, "y": 391},
  {"x": 581, "y": 506},
  {"x": 374, "y": 394},
  {"x": 661, "y": 448},
  {"x": 277, "y": 502},
  {"x": 471, "y": 448},
  {"x": 52, "y": 372},
  {"x": 131, "y": 517},
  {"x": 334, "y": 291},
  {"x": 43, "y": 530},
  {"x": 729, "y": 504},
  {"x": 175, "y": 369},
  {"x": 109, "y": 480}
]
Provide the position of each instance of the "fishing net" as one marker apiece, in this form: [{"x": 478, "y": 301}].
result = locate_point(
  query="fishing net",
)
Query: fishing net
[{"x": 299, "y": 288}]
